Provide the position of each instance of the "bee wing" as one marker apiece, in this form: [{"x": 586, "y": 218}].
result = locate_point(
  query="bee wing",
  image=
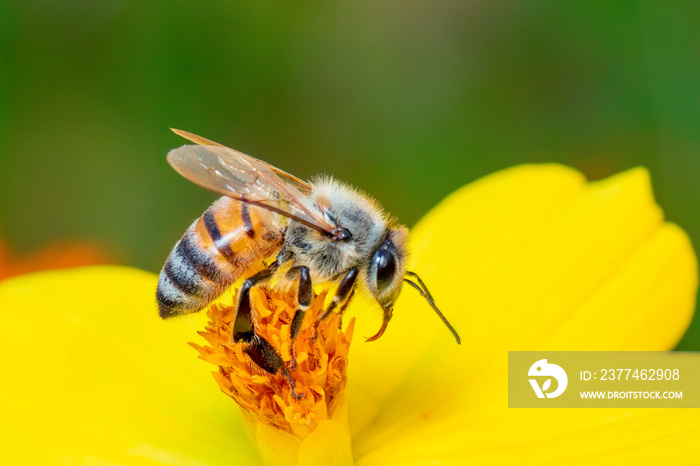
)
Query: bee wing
[
  {"x": 247, "y": 179},
  {"x": 292, "y": 180}
]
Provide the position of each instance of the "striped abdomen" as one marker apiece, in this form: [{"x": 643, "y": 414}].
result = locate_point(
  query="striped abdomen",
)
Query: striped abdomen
[{"x": 214, "y": 252}]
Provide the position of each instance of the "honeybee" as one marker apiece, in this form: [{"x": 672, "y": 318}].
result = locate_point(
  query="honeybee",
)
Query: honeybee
[{"x": 325, "y": 230}]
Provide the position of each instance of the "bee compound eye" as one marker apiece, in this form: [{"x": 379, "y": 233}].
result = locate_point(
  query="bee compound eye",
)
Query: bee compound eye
[{"x": 386, "y": 267}]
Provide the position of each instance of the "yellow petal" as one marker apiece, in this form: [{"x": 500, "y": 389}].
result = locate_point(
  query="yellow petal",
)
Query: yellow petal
[
  {"x": 329, "y": 444},
  {"x": 531, "y": 258},
  {"x": 545, "y": 436},
  {"x": 276, "y": 447},
  {"x": 92, "y": 375}
]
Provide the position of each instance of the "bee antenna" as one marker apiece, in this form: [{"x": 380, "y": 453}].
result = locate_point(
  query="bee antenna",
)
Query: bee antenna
[
  {"x": 428, "y": 297},
  {"x": 420, "y": 282}
]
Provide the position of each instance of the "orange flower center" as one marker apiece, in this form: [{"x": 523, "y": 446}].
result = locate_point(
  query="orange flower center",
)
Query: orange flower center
[{"x": 321, "y": 369}]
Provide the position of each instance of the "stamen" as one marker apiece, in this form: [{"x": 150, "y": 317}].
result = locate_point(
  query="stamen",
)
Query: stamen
[{"x": 293, "y": 402}]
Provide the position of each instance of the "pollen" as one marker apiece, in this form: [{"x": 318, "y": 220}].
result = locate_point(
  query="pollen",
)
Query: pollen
[{"x": 321, "y": 354}]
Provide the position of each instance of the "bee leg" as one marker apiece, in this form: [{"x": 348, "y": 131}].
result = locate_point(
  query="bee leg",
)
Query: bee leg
[
  {"x": 346, "y": 285},
  {"x": 265, "y": 356},
  {"x": 304, "y": 300},
  {"x": 243, "y": 328},
  {"x": 343, "y": 307},
  {"x": 259, "y": 349}
]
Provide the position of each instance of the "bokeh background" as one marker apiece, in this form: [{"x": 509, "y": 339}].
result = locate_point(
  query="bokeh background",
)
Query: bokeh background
[{"x": 408, "y": 100}]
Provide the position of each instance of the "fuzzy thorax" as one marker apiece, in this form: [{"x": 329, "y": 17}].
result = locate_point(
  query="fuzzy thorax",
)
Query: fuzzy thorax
[{"x": 321, "y": 371}]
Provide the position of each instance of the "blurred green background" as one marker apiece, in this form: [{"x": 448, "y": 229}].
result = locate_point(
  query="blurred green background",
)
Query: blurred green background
[{"x": 406, "y": 99}]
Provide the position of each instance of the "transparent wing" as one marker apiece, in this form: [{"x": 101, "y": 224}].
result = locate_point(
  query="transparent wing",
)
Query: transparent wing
[
  {"x": 247, "y": 179},
  {"x": 292, "y": 180}
]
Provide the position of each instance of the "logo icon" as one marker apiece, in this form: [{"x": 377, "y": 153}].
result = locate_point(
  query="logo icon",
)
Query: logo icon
[{"x": 543, "y": 369}]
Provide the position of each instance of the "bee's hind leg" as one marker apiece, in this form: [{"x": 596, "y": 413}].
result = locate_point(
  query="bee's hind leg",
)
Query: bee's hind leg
[
  {"x": 260, "y": 350},
  {"x": 347, "y": 284},
  {"x": 267, "y": 357}
]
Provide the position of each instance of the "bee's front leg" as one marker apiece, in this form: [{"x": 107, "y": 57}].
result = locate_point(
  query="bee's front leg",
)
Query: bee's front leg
[
  {"x": 304, "y": 300},
  {"x": 347, "y": 283},
  {"x": 259, "y": 349},
  {"x": 345, "y": 306}
]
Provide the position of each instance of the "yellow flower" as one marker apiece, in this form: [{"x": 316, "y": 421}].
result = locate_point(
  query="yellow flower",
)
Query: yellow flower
[{"x": 531, "y": 258}]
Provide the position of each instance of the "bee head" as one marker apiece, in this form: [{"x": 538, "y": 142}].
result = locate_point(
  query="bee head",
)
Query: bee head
[
  {"x": 386, "y": 272},
  {"x": 388, "y": 267}
]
